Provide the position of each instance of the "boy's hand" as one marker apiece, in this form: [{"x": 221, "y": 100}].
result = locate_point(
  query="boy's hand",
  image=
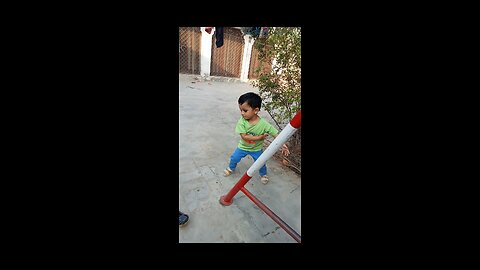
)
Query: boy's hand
[{"x": 285, "y": 150}]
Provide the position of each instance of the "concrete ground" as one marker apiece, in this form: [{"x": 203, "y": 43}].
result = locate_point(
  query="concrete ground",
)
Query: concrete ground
[{"x": 208, "y": 113}]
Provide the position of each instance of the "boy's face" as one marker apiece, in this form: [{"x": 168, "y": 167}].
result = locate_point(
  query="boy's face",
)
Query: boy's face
[{"x": 247, "y": 111}]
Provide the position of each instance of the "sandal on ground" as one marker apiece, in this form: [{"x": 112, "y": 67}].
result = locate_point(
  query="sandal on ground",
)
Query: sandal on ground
[
  {"x": 227, "y": 172},
  {"x": 264, "y": 179},
  {"x": 182, "y": 219}
]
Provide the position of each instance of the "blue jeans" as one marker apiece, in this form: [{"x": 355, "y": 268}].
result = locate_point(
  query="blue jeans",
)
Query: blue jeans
[{"x": 239, "y": 154}]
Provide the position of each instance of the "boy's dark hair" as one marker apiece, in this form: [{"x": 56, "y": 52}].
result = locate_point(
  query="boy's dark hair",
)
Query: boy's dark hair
[{"x": 253, "y": 100}]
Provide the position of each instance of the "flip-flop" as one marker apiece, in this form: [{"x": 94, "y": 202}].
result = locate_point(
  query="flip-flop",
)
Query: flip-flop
[
  {"x": 183, "y": 219},
  {"x": 227, "y": 172}
]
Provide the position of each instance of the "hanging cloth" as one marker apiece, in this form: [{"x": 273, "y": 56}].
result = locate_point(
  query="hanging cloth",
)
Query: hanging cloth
[{"x": 219, "y": 36}]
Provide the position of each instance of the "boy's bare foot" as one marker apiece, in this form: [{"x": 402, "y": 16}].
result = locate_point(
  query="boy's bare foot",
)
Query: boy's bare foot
[{"x": 264, "y": 179}]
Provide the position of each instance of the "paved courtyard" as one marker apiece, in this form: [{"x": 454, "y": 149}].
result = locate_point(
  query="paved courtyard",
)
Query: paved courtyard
[{"x": 208, "y": 112}]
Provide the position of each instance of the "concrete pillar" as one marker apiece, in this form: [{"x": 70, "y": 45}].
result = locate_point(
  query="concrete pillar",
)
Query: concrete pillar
[
  {"x": 206, "y": 51},
  {"x": 247, "y": 54}
]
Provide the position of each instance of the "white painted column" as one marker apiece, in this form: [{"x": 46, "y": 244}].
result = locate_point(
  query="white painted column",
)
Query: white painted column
[
  {"x": 247, "y": 54},
  {"x": 206, "y": 51}
]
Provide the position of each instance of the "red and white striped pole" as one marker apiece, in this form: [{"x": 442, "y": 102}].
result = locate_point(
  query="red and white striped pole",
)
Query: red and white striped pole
[{"x": 286, "y": 133}]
